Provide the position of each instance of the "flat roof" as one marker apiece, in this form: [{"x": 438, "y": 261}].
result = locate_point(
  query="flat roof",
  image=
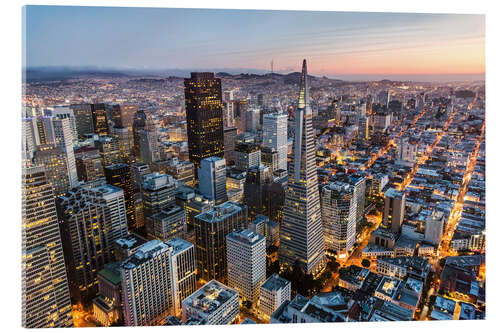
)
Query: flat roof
[{"x": 275, "y": 282}]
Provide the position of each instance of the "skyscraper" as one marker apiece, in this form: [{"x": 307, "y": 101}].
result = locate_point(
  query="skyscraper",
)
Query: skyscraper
[
  {"x": 92, "y": 217},
  {"x": 63, "y": 137},
  {"x": 247, "y": 155},
  {"x": 212, "y": 178},
  {"x": 56, "y": 169},
  {"x": 119, "y": 175},
  {"x": 88, "y": 164},
  {"x": 147, "y": 285},
  {"x": 124, "y": 138},
  {"x": 205, "y": 127},
  {"x": 158, "y": 192},
  {"x": 183, "y": 267},
  {"x": 211, "y": 229},
  {"x": 257, "y": 182},
  {"x": 246, "y": 263},
  {"x": 83, "y": 119},
  {"x": 274, "y": 131},
  {"x": 301, "y": 229},
  {"x": 229, "y": 137},
  {"x": 338, "y": 210},
  {"x": 100, "y": 119},
  {"x": 142, "y": 120},
  {"x": 45, "y": 292},
  {"x": 394, "y": 209}
]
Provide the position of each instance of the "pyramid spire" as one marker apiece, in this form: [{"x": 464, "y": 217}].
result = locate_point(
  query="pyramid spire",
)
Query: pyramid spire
[
  {"x": 302, "y": 234},
  {"x": 304, "y": 88}
]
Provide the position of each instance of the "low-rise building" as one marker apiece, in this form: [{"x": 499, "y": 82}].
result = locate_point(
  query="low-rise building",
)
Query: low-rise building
[
  {"x": 214, "y": 303},
  {"x": 274, "y": 292}
]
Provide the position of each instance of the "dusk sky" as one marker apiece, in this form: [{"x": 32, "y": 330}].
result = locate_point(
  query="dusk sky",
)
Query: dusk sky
[{"x": 336, "y": 44}]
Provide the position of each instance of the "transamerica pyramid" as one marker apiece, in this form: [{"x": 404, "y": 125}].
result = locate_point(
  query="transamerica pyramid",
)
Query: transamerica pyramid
[{"x": 301, "y": 228}]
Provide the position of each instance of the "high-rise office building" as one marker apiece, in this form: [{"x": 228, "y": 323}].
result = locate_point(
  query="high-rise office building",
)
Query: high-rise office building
[
  {"x": 301, "y": 228},
  {"x": 158, "y": 193},
  {"x": 142, "y": 121},
  {"x": 109, "y": 150},
  {"x": 212, "y": 304},
  {"x": 338, "y": 210},
  {"x": 92, "y": 217},
  {"x": 434, "y": 225},
  {"x": 66, "y": 112},
  {"x": 212, "y": 179},
  {"x": 211, "y": 229},
  {"x": 182, "y": 171},
  {"x": 394, "y": 209},
  {"x": 183, "y": 267},
  {"x": 147, "y": 285},
  {"x": 119, "y": 175},
  {"x": 246, "y": 263},
  {"x": 167, "y": 224},
  {"x": 269, "y": 157},
  {"x": 247, "y": 155},
  {"x": 229, "y": 138},
  {"x": 193, "y": 203},
  {"x": 138, "y": 170},
  {"x": 251, "y": 118},
  {"x": 29, "y": 137},
  {"x": 205, "y": 127},
  {"x": 274, "y": 131},
  {"x": 127, "y": 112},
  {"x": 149, "y": 147},
  {"x": 56, "y": 169},
  {"x": 100, "y": 119},
  {"x": 63, "y": 138},
  {"x": 45, "y": 293},
  {"x": 123, "y": 136},
  {"x": 256, "y": 188},
  {"x": 88, "y": 164},
  {"x": 83, "y": 119}
]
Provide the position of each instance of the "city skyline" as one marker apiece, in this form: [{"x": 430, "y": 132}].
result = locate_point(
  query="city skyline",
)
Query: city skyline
[
  {"x": 344, "y": 45},
  {"x": 156, "y": 199}
]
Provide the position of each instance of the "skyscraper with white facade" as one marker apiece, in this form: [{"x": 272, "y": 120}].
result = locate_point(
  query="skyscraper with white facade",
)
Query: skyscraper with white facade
[
  {"x": 274, "y": 131},
  {"x": 183, "y": 268},
  {"x": 338, "y": 210},
  {"x": 147, "y": 285},
  {"x": 64, "y": 140},
  {"x": 212, "y": 178},
  {"x": 301, "y": 228},
  {"x": 246, "y": 263}
]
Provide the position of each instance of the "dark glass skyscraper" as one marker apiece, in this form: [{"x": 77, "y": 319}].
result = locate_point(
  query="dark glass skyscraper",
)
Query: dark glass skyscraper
[
  {"x": 100, "y": 119},
  {"x": 119, "y": 175},
  {"x": 205, "y": 127}
]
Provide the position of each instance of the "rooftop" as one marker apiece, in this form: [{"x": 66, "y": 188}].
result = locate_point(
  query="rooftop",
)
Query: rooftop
[
  {"x": 245, "y": 236},
  {"x": 275, "y": 282},
  {"x": 144, "y": 253},
  {"x": 210, "y": 297},
  {"x": 393, "y": 193},
  {"x": 218, "y": 213},
  {"x": 178, "y": 244}
]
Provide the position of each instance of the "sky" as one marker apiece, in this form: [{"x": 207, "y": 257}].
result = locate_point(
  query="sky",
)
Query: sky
[{"x": 336, "y": 44}]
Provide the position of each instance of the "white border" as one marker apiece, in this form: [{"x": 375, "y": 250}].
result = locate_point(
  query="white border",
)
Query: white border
[{"x": 11, "y": 175}]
